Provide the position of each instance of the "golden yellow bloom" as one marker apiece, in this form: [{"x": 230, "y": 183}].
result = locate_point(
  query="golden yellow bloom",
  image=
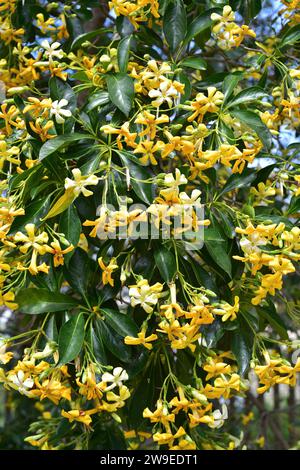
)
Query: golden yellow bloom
[
  {"x": 150, "y": 121},
  {"x": 141, "y": 339},
  {"x": 79, "y": 415},
  {"x": 58, "y": 253},
  {"x": 148, "y": 149},
  {"x": 204, "y": 104},
  {"x": 108, "y": 270},
  {"x": 7, "y": 299},
  {"x": 216, "y": 368},
  {"x": 228, "y": 311}
]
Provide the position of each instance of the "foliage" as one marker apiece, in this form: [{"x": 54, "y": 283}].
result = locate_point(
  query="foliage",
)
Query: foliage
[{"x": 131, "y": 115}]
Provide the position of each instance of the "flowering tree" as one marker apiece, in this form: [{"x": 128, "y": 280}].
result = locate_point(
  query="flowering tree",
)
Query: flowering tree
[{"x": 149, "y": 216}]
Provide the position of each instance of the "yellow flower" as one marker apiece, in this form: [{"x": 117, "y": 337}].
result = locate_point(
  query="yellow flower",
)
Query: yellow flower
[
  {"x": 204, "y": 104},
  {"x": 8, "y": 154},
  {"x": 141, "y": 339},
  {"x": 148, "y": 148},
  {"x": 79, "y": 415},
  {"x": 7, "y": 299},
  {"x": 216, "y": 368},
  {"x": 262, "y": 193},
  {"x": 38, "y": 107},
  {"x": 108, "y": 270},
  {"x": 31, "y": 241},
  {"x": 122, "y": 133},
  {"x": 150, "y": 121},
  {"x": 260, "y": 441},
  {"x": 52, "y": 389},
  {"x": 228, "y": 311},
  {"x": 79, "y": 183},
  {"x": 247, "y": 418},
  {"x": 222, "y": 387},
  {"x": 58, "y": 252},
  {"x": 160, "y": 415},
  {"x": 42, "y": 129},
  {"x": 5, "y": 357},
  {"x": 145, "y": 295}
]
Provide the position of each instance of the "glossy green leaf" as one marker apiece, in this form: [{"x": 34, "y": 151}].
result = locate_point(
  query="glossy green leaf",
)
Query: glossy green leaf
[
  {"x": 292, "y": 36},
  {"x": 219, "y": 254},
  {"x": 120, "y": 322},
  {"x": 34, "y": 213},
  {"x": 114, "y": 342},
  {"x": 229, "y": 84},
  {"x": 175, "y": 23},
  {"x": 194, "y": 63},
  {"x": 199, "y": 24},
  {"x": 78, "y": 270},
  {"x": 242, "y": 342},
  {"x": 166, "y": 263},
  {"x": 268, "y": 312},
  {"x": 253, "y": 121},
  {"x": 121, "y": 91},
  {"x": 96, "y": 343},
  {"x": 60, "y": 143},
  {"x": 247, "y": 96},
  {"x": 70, "y": 339},
  {"x": 236, "y": 181},
  {"x": 99, "y": 98},
  {"x": 294, "y": 206},
  {"x": 35, "y": 301},
  {"x": 139, "y": 175},
  {"x": 123, "y": 53},
  {"x": 70, "y": 225},
  {"x": 79, "y": 40}
]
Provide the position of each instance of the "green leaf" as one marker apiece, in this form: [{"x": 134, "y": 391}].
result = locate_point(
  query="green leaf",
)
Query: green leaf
[
  {"x": 253, "y": 121},
  {"x": 50, "y": 329},
  {"x": 98, "y": 98},
  {"x": 263, "y": 174},
  {"x": 166, "y": 263},
  {"x": 203, "y": 277},
  {"x": 269, "y": 313},
  {"x": 61, "y": 204},
  {"x": 194, "y": 63},
  {"x": 294, "y": 206},
  {"x": 121, "y": 91},
  {"x": 247, "y": 96},
  {"x": 114, "y": 342},
  {"x": 229, "y": 84},
  {"x": 61, "y": 142},
  {"x": 86, "y": 37},
  {"x": 123, "y": 53},
  {"x": 175, "y": 23},
  {"x": 96, "y": 343},
  {"x": 226, "y": 223},
  {"x": 291, "y": 36},
  {"x": 70, "y": 339},
  {"x": 219, "y": 254},
  {"x": 35, "y": 301},
  {"x": 70, "y": 225},
  {"x": 183, "y": 78},
  {"x": 236, "y": 181},
  {"x": 241, "y": 344},
  {"x": 120, "y": 322},
  {"x": 138, "y": 176},
  {"x": 77, "y": 272},
  {"x": 200, "y": 24},
  {"x": 249, "y": 9},
  {"x": 34, "y": 212}
]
